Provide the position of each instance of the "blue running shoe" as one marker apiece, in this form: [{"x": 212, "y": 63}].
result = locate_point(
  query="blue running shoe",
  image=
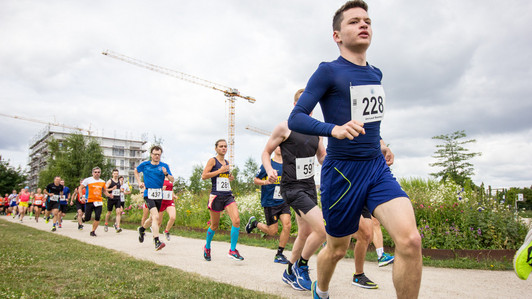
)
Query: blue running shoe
[
  {"x": 314, "y": 293},
  {"x": 302, "y": 277},
  {"x": 290, "y": 279},
  {"x": 281, "y": 259},
  {"x": 385, "y": 259}
]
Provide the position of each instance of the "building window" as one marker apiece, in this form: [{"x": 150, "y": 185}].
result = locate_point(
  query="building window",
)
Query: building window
[
  {"x": 118, "y": 151},
  {"x": 132, "y": 153}
]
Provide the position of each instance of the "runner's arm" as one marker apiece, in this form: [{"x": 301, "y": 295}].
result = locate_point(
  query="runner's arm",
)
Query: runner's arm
[
  {"x": 321, "y": 152},
  {"x": 279, "y": 134},
  {"x": 207, "y": 173}
]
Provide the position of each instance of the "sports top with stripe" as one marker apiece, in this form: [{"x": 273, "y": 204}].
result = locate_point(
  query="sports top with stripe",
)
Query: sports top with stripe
[{"x": 220, "y": 183}]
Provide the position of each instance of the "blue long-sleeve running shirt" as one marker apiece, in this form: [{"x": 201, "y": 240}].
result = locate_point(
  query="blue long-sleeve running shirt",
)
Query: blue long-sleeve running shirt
[{"x": 331, "y": 86}]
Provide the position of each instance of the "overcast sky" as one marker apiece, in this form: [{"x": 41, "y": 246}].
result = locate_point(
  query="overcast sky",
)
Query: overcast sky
[{"x": 447, "y": 65}]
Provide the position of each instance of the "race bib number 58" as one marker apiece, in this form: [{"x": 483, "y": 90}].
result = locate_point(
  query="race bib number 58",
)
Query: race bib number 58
[{"x": 367, "y": 103}]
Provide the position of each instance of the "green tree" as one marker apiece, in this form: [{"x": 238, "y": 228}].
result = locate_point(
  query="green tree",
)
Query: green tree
[
  {"x": 73, "y": 160},
  {"x": 10, "y": 177},
  {"x": 198, "y": 185},
  {"x": 454, "y": 158}
]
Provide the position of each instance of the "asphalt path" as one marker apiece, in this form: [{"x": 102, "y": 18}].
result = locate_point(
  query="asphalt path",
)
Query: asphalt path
[{"x": 259, "y": 272}]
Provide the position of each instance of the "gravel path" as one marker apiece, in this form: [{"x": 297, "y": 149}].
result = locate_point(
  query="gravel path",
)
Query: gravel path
[{"x": 258, "y": 272}]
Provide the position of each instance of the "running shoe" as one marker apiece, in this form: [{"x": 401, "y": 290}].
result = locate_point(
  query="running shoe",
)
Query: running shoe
[
  {"x": 20, "y": 220},
  {"x": 159, "y": 245},
  {"x": 252, "y": 223},
  {"x": 119, "y": 230},
  {"x": 80, "y": 227},
  {"x": 523, "y": 258},
  {"x": 46, "y": 221},
  {"x": 60, "y": 225},
  {"x": 141, "y": 234},
  {"x": 360, "y": 280},
  {"x": 105, "y": 228},
  {"x": 314, "y": 293},
  {"x": 93, "y": 234},
  {"x": 207, "y": 254},
  {"x": 385, "y": 259},
  {"x": 281, "y": 259},
  {"x": 290, "y": 279},
  {"x": 235, "y": 255},
  {"x": 115, "y": 226},
  {"x": 53, "y": 228},
  {"x": 302, "y": 276},
  {"x": 167, "y": 235}
]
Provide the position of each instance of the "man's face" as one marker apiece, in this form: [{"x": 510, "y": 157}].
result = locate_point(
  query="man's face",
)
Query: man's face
[
  {"x": 57, "y": 180},
  {"x": 96, "y": 173},
  {"x": 355, "y": 29},
  {"x": 115, "y": 174},
  {"x": 62, "y": 182},
  {"x": 156, "y": 155}
]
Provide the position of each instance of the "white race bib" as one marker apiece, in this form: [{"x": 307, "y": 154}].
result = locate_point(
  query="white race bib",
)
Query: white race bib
[
  {"x": 62, "y": 197},
  {"x": 122, "y": 197},
  {"x": 97, "y": 203},
  {"x": 54, "y": 197},
  {"x": 304, "y": 168},
  {"x": 222, "y": 184},
  {"x": 277, "y": 193},
  {"x": 155, "y": 193},
  {"x": 167, "y": 195},
  {"x": 367, "y": 103},
  {"x": 116, "y": 192}
]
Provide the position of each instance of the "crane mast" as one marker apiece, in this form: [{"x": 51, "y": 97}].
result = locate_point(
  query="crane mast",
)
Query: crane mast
[{"x": 231, "y": 94}]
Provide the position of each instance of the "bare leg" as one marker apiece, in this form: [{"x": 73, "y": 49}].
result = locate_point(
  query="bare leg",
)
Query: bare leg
[{"x": 397, "y": 217}]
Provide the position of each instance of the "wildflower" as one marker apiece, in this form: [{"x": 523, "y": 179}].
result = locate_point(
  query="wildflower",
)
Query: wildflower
[
  {"x": 426, "y": 226},
  {"x": 479, "y": 231},
  {"x": 421, "y": 206},
  {"x": 422, "y": 236}
]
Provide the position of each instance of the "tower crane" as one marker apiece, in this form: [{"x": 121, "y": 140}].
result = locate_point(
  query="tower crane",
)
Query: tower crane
[
  {"x": 89, "y": 132},
  {"x": 258, "y": 130},
  {"x": 231, "y": 93}
]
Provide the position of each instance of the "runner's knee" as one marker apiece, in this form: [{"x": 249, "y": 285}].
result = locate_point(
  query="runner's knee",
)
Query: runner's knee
[{"x": 410, "y": 244}]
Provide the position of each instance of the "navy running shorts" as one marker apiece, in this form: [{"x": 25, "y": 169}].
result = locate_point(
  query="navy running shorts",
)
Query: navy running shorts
[{"x": 347, "y": 186}]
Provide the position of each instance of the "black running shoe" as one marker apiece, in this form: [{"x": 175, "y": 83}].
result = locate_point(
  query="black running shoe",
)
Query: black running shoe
[
  {"x": 159, "y": 245},
  {"x": 252, "y": 224},
  {"x": 360, "y": 280},
  {"x": 93, "y": 234},
  {"x": 141, "y": 234}
]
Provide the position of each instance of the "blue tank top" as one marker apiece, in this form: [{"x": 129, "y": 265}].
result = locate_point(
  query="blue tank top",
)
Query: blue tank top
[{"x": 220, "y": 183}]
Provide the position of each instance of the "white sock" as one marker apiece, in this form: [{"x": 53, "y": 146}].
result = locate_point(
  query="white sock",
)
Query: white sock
[
  {"x": 380, "y": 251},
  {"x": 322, "y": 294}
]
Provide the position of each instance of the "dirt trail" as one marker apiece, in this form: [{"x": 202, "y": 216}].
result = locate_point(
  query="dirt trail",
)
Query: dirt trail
[{"x": 258, "y": 272}]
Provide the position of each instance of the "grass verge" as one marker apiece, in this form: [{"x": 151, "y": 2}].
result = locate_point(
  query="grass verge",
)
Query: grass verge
[{"x": 38, "y": 264}]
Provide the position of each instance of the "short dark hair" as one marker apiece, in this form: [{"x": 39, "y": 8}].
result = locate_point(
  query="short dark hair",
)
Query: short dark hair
[
  {"x": 156, "y": 148},
  {"x": 115, "y": 170},
  {"x": 339, "y": 14}
]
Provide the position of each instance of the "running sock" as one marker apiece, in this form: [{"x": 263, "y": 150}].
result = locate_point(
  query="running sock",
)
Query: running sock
[
  {"x": 156, "y": 239},
  {"x": 289, "y": 268},
  {"x": 165, "y": 231},
  {"x": 280, "y": 250},
  {"x": 302, "y": 262},
  {"x": 380, "y": 251},
  {"x": 142, "y": 229},
  {"x": 321, "y": 293},
  {"x": 234, "y": 237},
  {"x": 210, "y": 235},
  {"x": 358, "y": 275}
]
